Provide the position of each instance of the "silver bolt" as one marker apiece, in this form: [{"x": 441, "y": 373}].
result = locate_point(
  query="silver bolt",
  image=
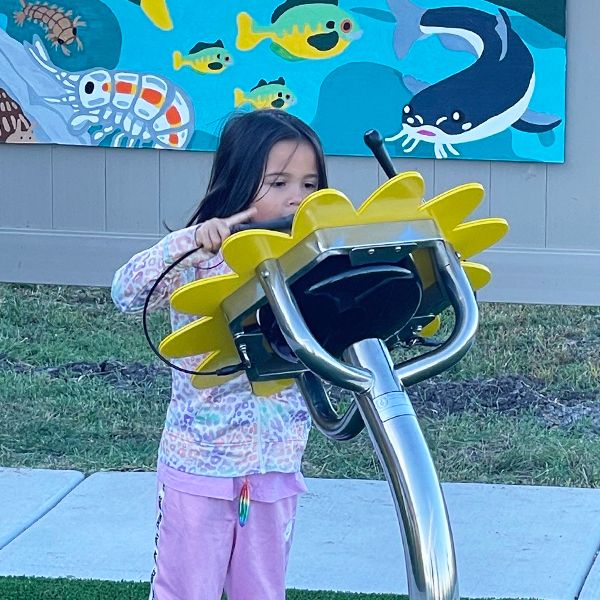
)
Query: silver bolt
[{"x": 244, "y": 353}]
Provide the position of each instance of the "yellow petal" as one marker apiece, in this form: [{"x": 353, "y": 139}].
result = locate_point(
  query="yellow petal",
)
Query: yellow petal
[
  {"x": 432, "y": 327},
  {"x": 245, "y": 250},
  {"x": 324, "y": 208},
  {"x": 397, "y": 199},
  {"x": 477, "y": 274},
  {"x": 204, "y": 335},
  {"x": 203, "y": 297},
  {"x": 473, "y": 237},
  {"x": 452, "y": 207}
]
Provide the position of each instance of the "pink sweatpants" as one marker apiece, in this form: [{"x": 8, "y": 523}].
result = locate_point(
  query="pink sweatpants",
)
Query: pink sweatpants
[{"x": 201, "y": 550}]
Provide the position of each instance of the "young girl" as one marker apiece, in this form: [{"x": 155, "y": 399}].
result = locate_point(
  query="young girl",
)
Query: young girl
[{"x": 221, "y": 441}]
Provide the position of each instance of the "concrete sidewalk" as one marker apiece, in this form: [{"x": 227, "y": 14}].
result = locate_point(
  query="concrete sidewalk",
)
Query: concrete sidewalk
[{"x": 511, "y": 541}]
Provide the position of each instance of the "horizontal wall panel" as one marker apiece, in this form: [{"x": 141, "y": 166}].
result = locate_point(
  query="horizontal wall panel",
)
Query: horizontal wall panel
[
  {"x": 518, "y": 194},
  {"x": 527, "y": 276},
  {"x": 540, "y": 276},
  {"x": 132, "y": 191},
  {"x": 70, "y": 258},
  {"x": 450, "y": 173},
  {"x": 184, "y": 177},
  {"x": 78, "y": 186},
  {"x": 573, "y": 193},
  {"x": 26, "y": 186},
  {"x": 573, "y": 203},
  {"x": 352, "y": 175}
]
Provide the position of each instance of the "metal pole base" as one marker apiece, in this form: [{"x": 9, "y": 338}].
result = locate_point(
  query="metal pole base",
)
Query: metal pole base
[{"x": 401, "y": 448}]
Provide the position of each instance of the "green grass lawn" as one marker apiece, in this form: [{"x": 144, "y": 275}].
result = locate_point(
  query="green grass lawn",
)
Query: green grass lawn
[
  {"x": 93, "y": 423},
  {"x": 31, "y": 588},
  {"x": 77, "y": 420}
]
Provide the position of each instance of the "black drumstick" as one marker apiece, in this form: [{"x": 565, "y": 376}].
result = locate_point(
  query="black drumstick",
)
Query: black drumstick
[
  {"x": 374, "y": 141},
  {"x": 282, "y": 224}
]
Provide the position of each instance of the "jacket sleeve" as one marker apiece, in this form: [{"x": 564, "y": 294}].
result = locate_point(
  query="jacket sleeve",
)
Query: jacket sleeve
[{"x": 133, "y": 281}]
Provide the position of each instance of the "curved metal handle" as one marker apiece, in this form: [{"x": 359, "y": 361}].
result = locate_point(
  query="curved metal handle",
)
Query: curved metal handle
[
  {"x": 299, "y": 337},
  {"x": 466, "y": 310},
  {"x": 416, "y": 369},
  {"x": 324, "y": 416}
]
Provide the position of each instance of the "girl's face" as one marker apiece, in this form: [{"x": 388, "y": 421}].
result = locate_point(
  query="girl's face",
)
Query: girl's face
[{"x": 290, "y": 175}]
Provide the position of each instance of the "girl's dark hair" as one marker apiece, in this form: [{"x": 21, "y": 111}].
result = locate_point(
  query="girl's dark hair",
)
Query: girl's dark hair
[{"x": 240, "y": 160}]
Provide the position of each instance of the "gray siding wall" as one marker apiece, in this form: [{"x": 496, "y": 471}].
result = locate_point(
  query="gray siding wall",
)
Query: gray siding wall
[{"x": 72, "y": 215}]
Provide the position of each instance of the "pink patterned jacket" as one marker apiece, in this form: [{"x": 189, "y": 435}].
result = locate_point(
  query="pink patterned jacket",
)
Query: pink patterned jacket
[{"x": 223, "y": 431}]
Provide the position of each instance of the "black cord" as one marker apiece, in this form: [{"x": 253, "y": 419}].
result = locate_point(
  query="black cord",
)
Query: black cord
[
  {"x": 419, "y": 341},
  {"x": 228, "y": 370}
]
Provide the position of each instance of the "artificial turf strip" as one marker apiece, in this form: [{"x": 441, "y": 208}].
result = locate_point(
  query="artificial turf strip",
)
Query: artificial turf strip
[{"x": 38, "y": 588}]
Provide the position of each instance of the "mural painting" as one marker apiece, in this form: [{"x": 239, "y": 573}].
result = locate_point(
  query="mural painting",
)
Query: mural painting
[{"x": 468, "y": 79}]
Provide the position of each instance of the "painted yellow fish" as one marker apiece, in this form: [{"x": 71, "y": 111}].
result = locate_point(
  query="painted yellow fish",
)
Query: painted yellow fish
[
  {"x": 301, "y": 29},
  {"x": 204, "y": 57},
  {"x": 266, "y": 94},
  {"x": 157, "y": 11}
]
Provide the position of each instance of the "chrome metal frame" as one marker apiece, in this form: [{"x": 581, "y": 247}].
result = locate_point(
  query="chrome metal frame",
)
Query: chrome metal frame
[{"x": 388, "y": 414}]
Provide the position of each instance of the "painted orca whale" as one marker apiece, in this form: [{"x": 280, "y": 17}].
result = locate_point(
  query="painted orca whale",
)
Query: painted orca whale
[{"x": 486, "y": 98}]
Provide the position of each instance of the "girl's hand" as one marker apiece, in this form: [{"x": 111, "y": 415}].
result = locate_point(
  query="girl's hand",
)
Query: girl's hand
[{"x": 212, "y": 233}]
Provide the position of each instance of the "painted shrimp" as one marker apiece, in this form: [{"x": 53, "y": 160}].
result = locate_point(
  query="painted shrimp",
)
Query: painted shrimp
[
  {"x": 61, "y": 29},
  {"x": 135, "y": 109}
]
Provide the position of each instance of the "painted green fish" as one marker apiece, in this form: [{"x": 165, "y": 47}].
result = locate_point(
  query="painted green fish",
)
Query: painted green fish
[
  {"x": 301, "y": 29},
  {"x": 204, "y": 57},
  {"x": 271, "y": 94}
]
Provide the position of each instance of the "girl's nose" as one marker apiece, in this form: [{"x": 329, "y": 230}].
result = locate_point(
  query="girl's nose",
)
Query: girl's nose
[{"x": 299, "y": 193}]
